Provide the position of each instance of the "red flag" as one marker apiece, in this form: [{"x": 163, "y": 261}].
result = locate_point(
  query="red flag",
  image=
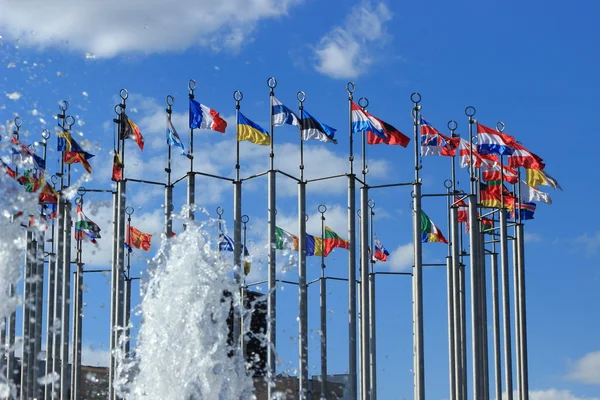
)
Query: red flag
[
  {"x": 131, "y": 131},
  {"x": 117, "y": 171},
  {"x": 138, "y": 239}
]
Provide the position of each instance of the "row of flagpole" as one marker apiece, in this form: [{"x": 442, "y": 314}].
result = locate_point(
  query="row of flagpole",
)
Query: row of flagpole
[{"x": 59, "y": 281}]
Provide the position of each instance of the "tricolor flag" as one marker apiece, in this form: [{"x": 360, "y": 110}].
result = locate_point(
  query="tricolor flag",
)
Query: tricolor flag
[
  {"x": 173, "y": 137},
  {"x": 314, "y": 245},
  {"x": 283, "y": 115},
  {"x": 285, "y": 240},
  {"x": 492, "y": 193},
  {"x": 434, "y": 143},
  {"x": 429, "y": 232},
  {"x": 252, "y": 132},
  {"x": 86, "y": 227},
  {"x": 378, "y": 131},
  {"x": 525, "y": 209},
  {"x": 333, "y": 240},
  {"x": 521, "y": 157},
  {"x": 117, "y": 170},
  {"x": 312, "y": 128},
  {"x": 203, "y": 117},
  {"x": 490, "y": 141},
  {"x": 535, "y": 177},
  {"x": 24, "y": 155},
  {"x": 381, "y": 253},
  {"x": 130, "y": 130},
  {"x": 138, "y": 239}
]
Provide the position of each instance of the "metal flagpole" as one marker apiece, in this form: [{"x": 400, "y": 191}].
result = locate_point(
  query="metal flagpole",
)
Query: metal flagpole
[
  {"x": 323, "y": 298},
  {"x": 372, "y": 318},
  {"x": 66, "y": 303},
  {"x": 451, "y": 295},
  {"x": 458, "y": 294},
  {"x": 419, "y": 357},
  {"x": 169, "y": 187},
  {"x": 476, "y": 265},
  {"x": 77, "y": 314},
  {"x": 58, "y": 272},
  {"x": 26, "y": 335},
  {"x": 496, "y": 324},
  {"x": 39, "y": 290},
  {"x": 352, "y": 370},
  {"x": 272, "y": 257},
  {"x": 127, "y": 290},
  {"x": 237, "y": 221},
  {"x": 191, "y": 186},
  {"x": 50, "y": 314},
  {"x": 244, "y": 302},
  {"x": 114, "y": 279},
  {"x": 302, "y": 292},
  {"x": 521, "y": 299},
  {"x": 504, "y": 268}
]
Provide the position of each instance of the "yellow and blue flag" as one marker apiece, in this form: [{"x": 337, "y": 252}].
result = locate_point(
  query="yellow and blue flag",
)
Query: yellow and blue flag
[{"x": 252, "y": 132}]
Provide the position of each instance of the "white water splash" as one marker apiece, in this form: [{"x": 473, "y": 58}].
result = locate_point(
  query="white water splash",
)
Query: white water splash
[{"x": 182, "y": 350}]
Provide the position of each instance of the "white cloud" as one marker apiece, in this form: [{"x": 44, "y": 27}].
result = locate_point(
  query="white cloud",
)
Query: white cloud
[
  {"x": 555, "y": 394},
  {"x": 111, "y": 27},
  {"x": 531, "y": 237},
  {"x": 586, "y": 369},
  {"x": 345, "y": 52},
  {"x": 13, "y": 96},
  {"x": 401, "y": 259},
  {"x": 591, "y": 243}
]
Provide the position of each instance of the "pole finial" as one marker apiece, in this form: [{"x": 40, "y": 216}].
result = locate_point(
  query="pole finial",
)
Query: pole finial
[
  {"x": 363, "y": 102},
  {"x": 191, "y": 86},
  {"x": 470, "y": 111},
  {"x": 70, "y": 121},
  {"x": 129, "y": 210},
  {"x": 170, "y": 100},
  {"x": 220, "y": 211},
  {"x": 416, "y": 98},
  {"x": 45, "y": 134},
  {"x": 301, "y": 96},
  {"x": 18, "y": 122},
  {"x": 272, "y": 83},
  {"x": 500, "y": 126},
  {"x": 350, "y": 88}
]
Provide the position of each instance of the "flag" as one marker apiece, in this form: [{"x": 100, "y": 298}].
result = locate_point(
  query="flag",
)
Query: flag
[
  {"x": 525, "y": 209},
  {"x": 31, "y": 181},
  {"x": 85, "y": 227},
  {"x": 522, "y": 157},
  {"x": 283, "y": 115},
  {"x": 378, "y": 131},
  {"x": 48, "y": 194},
  {"x": 248, "y": 130},
  {"x": 314, "y": 245},
  {"x": 173, "y": 137},
  {"x": 429, "y": 232},
  {"x": 50, "y": 210},
  {"x": 9, "y": 171},
  {"x": 492, "y": 171},
  {"x": 203, "y": 117},
  {"x": 285, "y": 240},
  {"x": 490, "y": 195},
  {"x": 226, "y": 244},
  {"x": 464, "y": 151},
  {"x": 130, "y": 130},
  {"x": 25, "y": 155},
  {"x": 312, "y": 128},
  {"x": 117, "y": 170},
  {"x": 434, "y": 143},
  {"x": 71, "y": 157},
  {"x": 535, "y": 177},
  {"x": 381, "y": 253},
  {"x": 490, "y": 141},
  {"x": 333, "y": 240},
  {"x": 529, "y": 194},
  {"x": 138, "y": 239}
]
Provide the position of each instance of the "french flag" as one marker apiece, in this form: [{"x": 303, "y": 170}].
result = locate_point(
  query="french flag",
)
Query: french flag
[
  {"x": 381, "y": 253},
  {"x": 490, "y": 141},
  {"x": 203, "y": 117},
  {"x": 378, "y": 131},
  {"x": 522, "y": 157}
]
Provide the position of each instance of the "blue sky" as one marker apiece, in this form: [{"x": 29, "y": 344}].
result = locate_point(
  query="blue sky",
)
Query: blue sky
[{"x": 530, "y": 65}]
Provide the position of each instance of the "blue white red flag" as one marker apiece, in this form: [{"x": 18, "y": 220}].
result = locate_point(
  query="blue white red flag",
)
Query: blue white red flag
[
  {"x": 491, "y": 141},
  {"x": 381, "y": 253}
]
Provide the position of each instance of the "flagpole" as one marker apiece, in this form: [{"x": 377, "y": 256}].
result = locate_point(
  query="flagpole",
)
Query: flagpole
[
  {"x": 458, "y": 294},
  {"x": 237, "y": 223},
  {"x": 26, "y": 343},
  {"x": 58, "y": 274},
  {"x": 191, "y": 185},
  {"x": 352, "y": 369},
  {"x": 244, "y": 294},
  {"x": 496, "y": 324},
  {"x": 372, "y": 319},
  {"x": 127, "y": 290},
  {"x": 453, "y": 373},
  {"x": 476, "y": 266},
  {"x": 419, "y": 357},
  {"x": 272, "y": 255},
  {"x": 323, "y": 298},
  {"x": 50, "y": 314},
  {"x": 77, "y": 313},
  {"x": 364, "y": 272},
  {"x": 39, "y": 286},
  {"x": 521, "y": 299},
  {"x": 170, "y": 100},
  {"x": 302, "y": 292},
  {"x": 504, "y": 268},
  {"x": 66, "y": 290}
]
